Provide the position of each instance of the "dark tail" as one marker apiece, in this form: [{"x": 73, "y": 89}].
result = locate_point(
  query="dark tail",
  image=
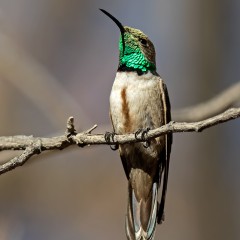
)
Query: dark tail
[{"x": 141, "y": 215}]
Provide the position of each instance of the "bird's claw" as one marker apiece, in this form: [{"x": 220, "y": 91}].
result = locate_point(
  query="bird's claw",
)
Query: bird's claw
[
  {"x": 109, "y": 137},
  {"x": 143, "y": 136},
  {"x": 142, "y": 132}
]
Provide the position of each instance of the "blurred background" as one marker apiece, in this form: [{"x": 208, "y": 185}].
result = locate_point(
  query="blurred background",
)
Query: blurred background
[{"x": 59, "y": 58}]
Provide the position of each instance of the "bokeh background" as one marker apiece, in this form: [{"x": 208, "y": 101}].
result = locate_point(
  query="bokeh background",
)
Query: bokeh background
[{"x": 58, "y": 58}]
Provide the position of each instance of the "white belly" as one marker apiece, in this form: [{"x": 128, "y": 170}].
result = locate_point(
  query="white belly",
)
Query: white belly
[{"x": 135, "y": 102}]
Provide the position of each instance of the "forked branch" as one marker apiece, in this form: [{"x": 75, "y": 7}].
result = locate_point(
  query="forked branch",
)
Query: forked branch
[{"x": 33, "y": 146}]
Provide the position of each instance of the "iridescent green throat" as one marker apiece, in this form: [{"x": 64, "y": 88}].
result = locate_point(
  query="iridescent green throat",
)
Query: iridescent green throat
[{"x": 133, "y": 59}]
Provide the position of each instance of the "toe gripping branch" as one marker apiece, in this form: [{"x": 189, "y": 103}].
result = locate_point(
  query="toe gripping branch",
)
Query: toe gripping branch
[
  {"x": 141, "y": 134},
  {"x": 109, "y": 137}
]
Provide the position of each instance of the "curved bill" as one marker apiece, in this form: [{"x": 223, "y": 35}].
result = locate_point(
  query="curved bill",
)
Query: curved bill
[{"x": 118, "y": 24}]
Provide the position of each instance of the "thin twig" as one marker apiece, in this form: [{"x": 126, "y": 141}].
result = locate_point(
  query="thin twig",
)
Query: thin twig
[
  {"x": 226, "y": 99},
  {"x": 91, "y": 129},
  {"x": 33, "y": 146}
]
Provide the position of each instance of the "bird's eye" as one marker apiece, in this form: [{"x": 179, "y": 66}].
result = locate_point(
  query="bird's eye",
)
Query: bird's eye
[{"x": 143, "y": 41}]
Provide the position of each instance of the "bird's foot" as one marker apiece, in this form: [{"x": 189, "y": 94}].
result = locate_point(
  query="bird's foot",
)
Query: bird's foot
[
  {"x": 109, "y": 137},
  {"x": 141, "y": 134}
]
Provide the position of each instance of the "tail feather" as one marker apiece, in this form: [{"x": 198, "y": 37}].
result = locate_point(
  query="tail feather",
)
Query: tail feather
[{"x": 141, "y": 216}]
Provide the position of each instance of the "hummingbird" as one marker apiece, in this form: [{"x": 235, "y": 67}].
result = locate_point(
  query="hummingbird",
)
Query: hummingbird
[{"x": 139, "y": 102}]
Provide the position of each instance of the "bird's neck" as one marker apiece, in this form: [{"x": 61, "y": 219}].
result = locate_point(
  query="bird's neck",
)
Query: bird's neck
[
  {"x": 134, "y": 60},
  {"x": 138, "y": 70}
]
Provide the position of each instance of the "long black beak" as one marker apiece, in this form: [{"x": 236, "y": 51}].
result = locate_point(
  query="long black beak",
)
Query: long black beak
[{"x": 118, "y": 24}]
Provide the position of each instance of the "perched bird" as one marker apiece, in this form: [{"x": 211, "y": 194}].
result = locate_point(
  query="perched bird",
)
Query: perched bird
[{"x": 138, "y": 102}]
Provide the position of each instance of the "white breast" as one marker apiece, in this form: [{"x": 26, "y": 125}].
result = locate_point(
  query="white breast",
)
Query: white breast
[{"x": 135, "y": 102}]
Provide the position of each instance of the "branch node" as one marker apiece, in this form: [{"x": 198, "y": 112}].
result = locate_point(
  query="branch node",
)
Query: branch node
[
  {"x": 70, "y": 127},
  {"x": 77, "y": 137},
  {"x": 171, "y": 124},
  {"x": 38, "y": 145},
  {"x": 78, "y": 141}
]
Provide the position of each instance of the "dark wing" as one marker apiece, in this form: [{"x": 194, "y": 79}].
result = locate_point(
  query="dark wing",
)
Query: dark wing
[
  {"x": 125, "y": 167},
  {"x": 123, "y": 158},
  {"x": 165, "y": 156}
]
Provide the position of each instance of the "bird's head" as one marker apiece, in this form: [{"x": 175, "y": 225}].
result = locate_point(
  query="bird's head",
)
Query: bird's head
[{"x": 136, "y": 51}]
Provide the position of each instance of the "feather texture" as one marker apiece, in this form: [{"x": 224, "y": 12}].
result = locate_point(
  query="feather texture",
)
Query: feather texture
[{"x": 140, "y": 101}]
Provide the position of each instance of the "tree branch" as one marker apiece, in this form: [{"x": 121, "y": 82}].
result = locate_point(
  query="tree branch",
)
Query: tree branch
[
  {"x": 19, "y": 160},
  {"x": 33, "y": 146},
  {"x": 226, "y": 99}
]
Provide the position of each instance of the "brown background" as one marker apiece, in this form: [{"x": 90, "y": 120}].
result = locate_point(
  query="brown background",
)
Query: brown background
[{"x": 58, "y": 58}]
